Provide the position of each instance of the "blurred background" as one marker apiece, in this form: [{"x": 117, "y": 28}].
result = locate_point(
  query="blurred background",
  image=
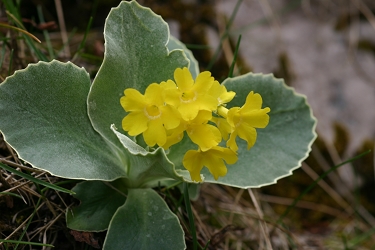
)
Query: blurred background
[{"x": 325, "y": 49}]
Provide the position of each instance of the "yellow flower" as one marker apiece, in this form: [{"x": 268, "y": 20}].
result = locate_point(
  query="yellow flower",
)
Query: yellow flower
[
  {"x": 199, "y": 131},
  {"x": 190, "y": 97},
  {"x": 148, "y": 114},
  {"x": 213, "y": 159},
  {"x": 244, "y": 120}
]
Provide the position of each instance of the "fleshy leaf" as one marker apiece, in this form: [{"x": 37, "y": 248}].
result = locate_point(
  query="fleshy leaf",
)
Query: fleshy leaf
[
  {"x": 146, "y": 169},
  {"x": 44, "y": 118},
  {"x": 173, "y": 44},
  {"x": 99, "y": 202},
  {"x": 144, "y": 222},
  {"x": 135, "y": 56},
  {"x": 282, "y": 145}
]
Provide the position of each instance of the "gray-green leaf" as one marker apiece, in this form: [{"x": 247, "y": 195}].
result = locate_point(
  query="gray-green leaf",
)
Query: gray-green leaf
[
  {"x": 135, "y": 56},
  {"x": 44, "y": 118},
  {"x": 282, "y": 145},
  {"x": 99, "y": 201},
  {"x": 144, "y": 222}
]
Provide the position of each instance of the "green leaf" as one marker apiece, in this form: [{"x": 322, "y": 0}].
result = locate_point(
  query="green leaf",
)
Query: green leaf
[
  {"x": 282, "y": 145},
  {"x": 135, "y": 56},
  {"x": 144, "y": 222},
  {"x": 146, "y": 169},
  {"x": 174, "y": 44},
  {"x": 99, "y": 202},
  {"x": 44, "y": 118}
]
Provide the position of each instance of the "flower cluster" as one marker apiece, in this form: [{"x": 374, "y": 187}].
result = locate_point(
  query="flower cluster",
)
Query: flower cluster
[{"x": 198, "y": 108}]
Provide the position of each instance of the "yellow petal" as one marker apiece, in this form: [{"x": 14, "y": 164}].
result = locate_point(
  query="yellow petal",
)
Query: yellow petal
[
  {"x": 168, "y": 85},
  {"x": 155, "y": 134},
  {"x": 253, "y": 101},
  {"x": 133, "y": 100},
  {"x": 173, "y": 139},
  {"x": 232, "y": 116},
  {"x": 203, "y": 82},
  {"x": 205, "y": 136},
  {"x": 188, "y": 111},
  {"x": 183, "y": 78},
  {"x": 175, "y": 135},
  {"x": 170, "y": 116},
  {"x": 214, "y": 160},
  {"x": 247, "y": 133},
  {"x": 215, "y": 90},
  {"x": 256, "y": 118},
  {"x": 193, "y": 163},
  {"x": 153, "y": 94},
  {"x": 231, "y": 143},
  {"x": 135, "y": 123},
  {"x": 203, "y": 117},
  {"x": 223, "y": 126},
  {"x": 226, "y": 97},
  {"x": 172, "y": 97},
  {"x": 207, "y": 102},
  {"x": 228, "y": 155},
  {"x": 214, "y": 164},
  {"x": 220, "y": 92}
]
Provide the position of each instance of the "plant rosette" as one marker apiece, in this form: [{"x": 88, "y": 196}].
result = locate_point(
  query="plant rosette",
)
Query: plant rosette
[{"x": 150, "y": 118}]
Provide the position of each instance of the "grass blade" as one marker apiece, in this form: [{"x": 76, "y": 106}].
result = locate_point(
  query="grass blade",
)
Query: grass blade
[
  {"x": 234, "y": 57},
  {"x": 35, "y": 180},
  {"x": 190, "y": 216},
  {"x": 359, "y": 239},
  {"x": 13, "y": 15},
  {"x": 83, "y": 42},
  {"x": 26, "y": 243},
  {"x": 11, "y": 194},
  {"x": 28, "y": 223},
  {"x": 20, "y": 30},
  {"x": 46, "y": 34},
  {"x": 225, "y": 34},
  {"x": 316, "y": 182}
]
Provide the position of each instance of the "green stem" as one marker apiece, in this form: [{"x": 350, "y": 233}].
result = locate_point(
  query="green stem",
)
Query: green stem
[{"x": 190, "y": 216}]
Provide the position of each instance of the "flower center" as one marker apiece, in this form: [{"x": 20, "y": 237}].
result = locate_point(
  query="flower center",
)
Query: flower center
[
  {"x": 152, "y": 112},
  {"x": 188, "y": 96}
]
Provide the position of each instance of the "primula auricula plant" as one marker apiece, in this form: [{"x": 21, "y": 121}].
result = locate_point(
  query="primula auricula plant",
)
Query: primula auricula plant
[
  {"x": 170, "y": 108},
  {"x": 178, "y": 126}
]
